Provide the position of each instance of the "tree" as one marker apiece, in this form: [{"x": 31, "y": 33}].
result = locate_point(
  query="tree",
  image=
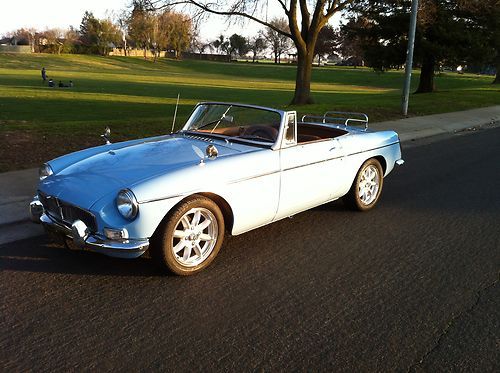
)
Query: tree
[
  {"x": 196, "y": 45},
  {"x": 122, "y": 23},
  {"x": 304, "y": 20},
  {"x": 351, "y": 43},
  {"x": 327, "y": 43},
  {"x": 141, "y": 26},
  {"x": 485, "y": 19},
  {"x": 256, "y": 45},
  {"x": 443, "y": 35},
  {"x": 26, "y": 36},
  {"x": 221, "y": 45},
  {"x": 97, "y": 35},
  {"x": 238, "y": 45},
  {"x": 52, "y": 41},
  {"x": 108, "y": 34},
  {"x": 89, "y": 27},
  {"x": 71, "y": 40},
  {"x": 179, "y": 30},
  {"x": 278, "y": 42}
]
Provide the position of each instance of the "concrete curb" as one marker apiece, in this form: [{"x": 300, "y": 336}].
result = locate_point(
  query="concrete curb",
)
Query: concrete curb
[
  {"x": 416, "y": 128},
  {"x": 17, "y": 188}
]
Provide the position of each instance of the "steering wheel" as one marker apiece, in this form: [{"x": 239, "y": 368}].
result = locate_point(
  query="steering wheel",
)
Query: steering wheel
[{"x": 265, "y": 132}]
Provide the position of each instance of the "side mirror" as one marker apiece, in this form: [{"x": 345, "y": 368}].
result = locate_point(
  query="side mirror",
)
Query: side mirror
[
  {"x": 106, "y": 135},
  {"x": 211, "y": 152}
]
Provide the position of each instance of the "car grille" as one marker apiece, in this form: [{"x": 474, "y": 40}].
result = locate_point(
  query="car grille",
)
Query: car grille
[{"x": 65, "y": 212}]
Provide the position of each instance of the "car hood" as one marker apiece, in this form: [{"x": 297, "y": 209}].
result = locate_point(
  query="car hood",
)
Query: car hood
[{"x": 85, "y": 181}]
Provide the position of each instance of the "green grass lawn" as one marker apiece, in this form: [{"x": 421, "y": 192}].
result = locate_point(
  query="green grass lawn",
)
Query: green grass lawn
[{"x": 137, "y": 97}]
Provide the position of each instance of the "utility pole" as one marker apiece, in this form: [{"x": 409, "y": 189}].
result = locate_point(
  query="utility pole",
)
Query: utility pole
[{"x": 409, "y": 57}]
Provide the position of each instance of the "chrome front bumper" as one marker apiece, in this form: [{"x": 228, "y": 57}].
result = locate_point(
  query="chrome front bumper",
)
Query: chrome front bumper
[{"x": 82, "y": 239}]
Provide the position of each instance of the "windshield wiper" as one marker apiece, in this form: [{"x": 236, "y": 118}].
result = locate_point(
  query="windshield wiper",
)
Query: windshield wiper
[
  {"x": 254, "y": 137},
  {"x": 208, "y": 124}
]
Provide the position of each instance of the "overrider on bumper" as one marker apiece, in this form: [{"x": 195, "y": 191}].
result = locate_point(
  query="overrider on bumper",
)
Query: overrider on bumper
[{"x": 82, "y": 238}]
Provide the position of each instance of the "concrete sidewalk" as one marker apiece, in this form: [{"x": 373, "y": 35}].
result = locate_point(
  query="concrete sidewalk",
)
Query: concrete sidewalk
[
  {"x": 18, "y": 187},
  {"x": 438, "y": 124}
]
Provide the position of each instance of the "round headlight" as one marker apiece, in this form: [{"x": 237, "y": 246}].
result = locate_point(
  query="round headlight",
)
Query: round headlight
[
  {"x": 127, "y": 204},
  {"x": 44, "y": 171}
]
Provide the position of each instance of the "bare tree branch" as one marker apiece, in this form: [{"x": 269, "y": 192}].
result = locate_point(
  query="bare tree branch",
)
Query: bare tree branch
[
  {"x": 283, "y": 5},
  {"x": 230, "y": 12},
  {"x": 336, "y": 7}
]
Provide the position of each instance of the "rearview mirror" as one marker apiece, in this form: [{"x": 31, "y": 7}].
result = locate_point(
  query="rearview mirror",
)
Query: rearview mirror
[{"x": 228, "y": 118}]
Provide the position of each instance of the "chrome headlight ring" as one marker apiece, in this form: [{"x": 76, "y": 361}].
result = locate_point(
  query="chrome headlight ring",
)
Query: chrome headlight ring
[
  {"x": 44, "y": 171},
  {"x": 126, "y": 204}
]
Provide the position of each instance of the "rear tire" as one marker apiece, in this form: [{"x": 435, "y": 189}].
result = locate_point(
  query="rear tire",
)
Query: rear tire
[
  {"x": 367, "y": 187},
  {"x": 190, "y": 236}
]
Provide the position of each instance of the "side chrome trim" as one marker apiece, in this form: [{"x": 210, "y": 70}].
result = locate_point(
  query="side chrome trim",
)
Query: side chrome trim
[
  {"x": 253, "y": 177},
  {"x": 167, "y": 197},
  {"x": 313, "y": 163},
  {"x": 369, "y": 150}
]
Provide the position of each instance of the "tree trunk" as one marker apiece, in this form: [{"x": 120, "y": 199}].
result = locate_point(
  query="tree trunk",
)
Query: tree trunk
[
  {"x": 302, "y": 94},
  {"x": 426, "y": 83},
  {"x": 497, "y": 77},
  {"x": 275, "y": 57}
]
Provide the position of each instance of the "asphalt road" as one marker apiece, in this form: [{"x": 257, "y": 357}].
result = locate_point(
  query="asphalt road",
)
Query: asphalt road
[{"x": 411, "y": 285}]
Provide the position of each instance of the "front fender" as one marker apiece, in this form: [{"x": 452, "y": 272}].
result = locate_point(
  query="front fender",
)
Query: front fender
[{"x": 143, "y": 226}]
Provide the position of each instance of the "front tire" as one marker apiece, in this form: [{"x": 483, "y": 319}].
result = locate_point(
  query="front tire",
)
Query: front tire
[
  {"x": 367, "y": 186},
  {"x": 190, "y": 236}
]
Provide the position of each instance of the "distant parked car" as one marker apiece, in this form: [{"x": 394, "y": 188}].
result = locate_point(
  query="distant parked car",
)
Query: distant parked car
[{"x": 232, "y": 167}]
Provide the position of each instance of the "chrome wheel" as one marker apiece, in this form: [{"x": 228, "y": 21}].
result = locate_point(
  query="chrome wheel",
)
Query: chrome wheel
[
  {"x": 369, "y": 184},
  {"x": 194, "y": 237}
]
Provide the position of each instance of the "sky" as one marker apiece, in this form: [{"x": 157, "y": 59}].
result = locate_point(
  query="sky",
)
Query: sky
[{"x": 43, "y": 14}]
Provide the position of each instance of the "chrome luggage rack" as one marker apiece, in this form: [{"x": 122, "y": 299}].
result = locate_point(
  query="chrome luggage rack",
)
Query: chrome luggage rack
[{"x": 338, "y": 118}]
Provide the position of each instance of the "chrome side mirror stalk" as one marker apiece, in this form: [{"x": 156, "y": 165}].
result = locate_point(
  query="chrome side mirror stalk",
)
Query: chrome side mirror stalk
[{"x": 106, "y": 135}]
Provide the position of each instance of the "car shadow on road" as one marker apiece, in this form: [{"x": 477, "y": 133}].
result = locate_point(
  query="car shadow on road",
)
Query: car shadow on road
[{"x": 40, "y": 255}]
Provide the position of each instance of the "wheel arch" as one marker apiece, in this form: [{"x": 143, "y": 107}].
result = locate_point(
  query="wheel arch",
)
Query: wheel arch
[
  {"x": 224, "y": 206},
  {"x": 382, "y": 161}
]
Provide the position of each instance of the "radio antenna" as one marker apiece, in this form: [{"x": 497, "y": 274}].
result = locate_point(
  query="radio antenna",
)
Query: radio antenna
[{"x": 175, "y": 112}]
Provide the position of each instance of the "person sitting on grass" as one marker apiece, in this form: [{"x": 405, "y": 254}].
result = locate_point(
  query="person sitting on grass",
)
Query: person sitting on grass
[
  {"x": 51, "y": 83},
  {"x": 62, "y": 85}
]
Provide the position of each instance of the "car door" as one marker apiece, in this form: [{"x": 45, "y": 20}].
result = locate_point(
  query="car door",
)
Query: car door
[{"x": 311, "y": 173}]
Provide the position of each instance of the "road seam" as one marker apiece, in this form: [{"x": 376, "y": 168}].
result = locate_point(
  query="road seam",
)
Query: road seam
[{"x": 413, "y": 367}]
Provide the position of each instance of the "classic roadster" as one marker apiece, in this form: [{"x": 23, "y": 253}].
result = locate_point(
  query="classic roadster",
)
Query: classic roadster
[{"x": 232, "y": 167}]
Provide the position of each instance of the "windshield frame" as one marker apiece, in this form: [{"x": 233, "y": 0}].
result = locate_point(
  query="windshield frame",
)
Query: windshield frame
[{"x": 275, "y": 145}]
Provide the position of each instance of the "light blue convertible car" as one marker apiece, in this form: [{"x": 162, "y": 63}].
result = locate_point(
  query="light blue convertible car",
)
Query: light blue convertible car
[{"x": 231, "y": 168}]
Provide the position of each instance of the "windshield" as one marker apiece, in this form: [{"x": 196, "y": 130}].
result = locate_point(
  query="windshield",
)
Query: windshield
[{"x": 234, "y": 121}]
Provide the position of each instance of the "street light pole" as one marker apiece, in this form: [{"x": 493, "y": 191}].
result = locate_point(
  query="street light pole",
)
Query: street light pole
[{"x": 409, "y": 57}]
